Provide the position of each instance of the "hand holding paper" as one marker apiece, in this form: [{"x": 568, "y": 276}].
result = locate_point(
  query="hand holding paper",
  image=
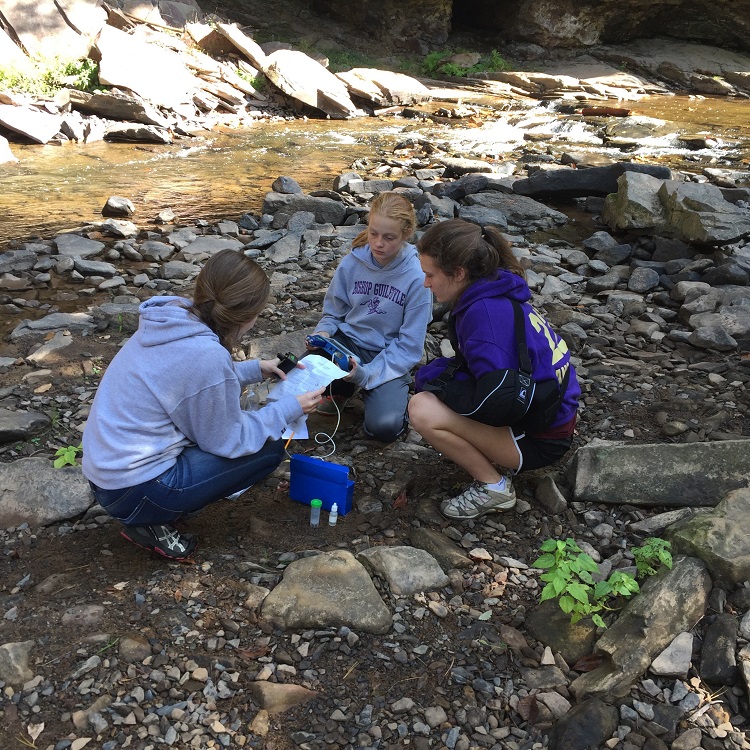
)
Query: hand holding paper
[{"x": 318, "y": 373}]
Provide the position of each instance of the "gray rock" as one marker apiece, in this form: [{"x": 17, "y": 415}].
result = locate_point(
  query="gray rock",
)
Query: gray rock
[
  {"x": 94, "y": 268},
  {"x": 286, "y": 185},
  {"x": 579, "y": 183},
  {"x": 16, "y": 261},
  {"x": 483, "y": 216},
  {"x": 671, "y": 602},
  {"x": 406, "y": 569},
  {"x": 14, "y": 662},
  {"x": 718, "y": 663},
  {"x": 643, "y": 280},
  {"x": 549, "y": 496},
  {"x": 206, "y": 246},
  {"x": 719, "y": 538},
  {"x": 712, "y": 337},
  {"x": 552, "y": 627},
  {"x": 287, "y": 248},
  {"x": 118, "y": 206},
  {"x": 76, "y": 246},
  {"x": 178, "y": 269},
  {"x": 21, "y": 425},
  {"x": 589, "y": 724},
  {"x": 660, "y": 474},
  {"x": 332, "y": 588},
  {"x": 59, "y": 341},
  {"x": 448, "y": 555},
  {"x": 35, "y": 492},
  {"x": 676, "y": 658},
  {"x": 53, "y": 322},
  {"x": 326, "y": 210},
  {"x": 156, "y": 251}
]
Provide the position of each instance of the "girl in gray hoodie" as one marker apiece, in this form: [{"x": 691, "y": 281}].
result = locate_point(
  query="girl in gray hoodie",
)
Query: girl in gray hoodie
[
  {"x": 166, "y": 435},
  {"x": 378, "y": 308}
]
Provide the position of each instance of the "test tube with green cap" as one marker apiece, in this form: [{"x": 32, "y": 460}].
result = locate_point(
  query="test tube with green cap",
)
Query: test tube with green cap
[{"x": 315, "y": 506}]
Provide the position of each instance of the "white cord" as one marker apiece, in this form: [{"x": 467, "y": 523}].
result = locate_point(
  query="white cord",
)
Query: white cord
[{"x": 326, "y": 438}]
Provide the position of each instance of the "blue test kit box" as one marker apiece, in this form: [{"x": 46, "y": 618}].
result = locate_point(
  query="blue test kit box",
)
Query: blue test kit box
[{"x": 312, "y": 478}]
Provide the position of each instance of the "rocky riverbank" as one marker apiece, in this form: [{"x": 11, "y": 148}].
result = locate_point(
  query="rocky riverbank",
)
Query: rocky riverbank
[
  {"x": 395, "y": 627},
  {"x": 213, "y": 74}
]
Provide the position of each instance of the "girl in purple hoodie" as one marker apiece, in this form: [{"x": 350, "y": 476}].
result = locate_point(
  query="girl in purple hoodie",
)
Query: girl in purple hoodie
[{"x": 473, "y": 269}]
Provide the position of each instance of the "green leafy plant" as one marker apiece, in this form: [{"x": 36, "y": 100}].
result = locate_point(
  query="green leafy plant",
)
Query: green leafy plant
[
  {"x": 569, "y": 580},
  {"x": 67, "y": 456},
  {"x": 437, "y": 63},
  {"x": 50, "y": 75},
  {"x": 653, "y": 553}
]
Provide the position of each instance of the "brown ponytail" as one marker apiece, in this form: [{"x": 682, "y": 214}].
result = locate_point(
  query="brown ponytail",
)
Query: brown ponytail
[
  {"x": 481, "y": 251},
  {"x": 230, "y": 290}
]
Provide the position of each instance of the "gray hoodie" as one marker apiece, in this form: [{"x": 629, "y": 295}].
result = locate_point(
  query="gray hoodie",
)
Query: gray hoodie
[
  {"x": 380, "y": 308},
  {"x": 173, "y": 385}
]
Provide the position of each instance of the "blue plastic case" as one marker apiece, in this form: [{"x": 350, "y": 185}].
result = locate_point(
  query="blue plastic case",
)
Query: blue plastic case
[
  {"x": 312, "y": 478},
  {"x": 338, "y": 352}
]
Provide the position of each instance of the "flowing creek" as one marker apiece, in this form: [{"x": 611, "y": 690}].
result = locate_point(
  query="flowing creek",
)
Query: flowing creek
[{"x": 223, "y": 175}]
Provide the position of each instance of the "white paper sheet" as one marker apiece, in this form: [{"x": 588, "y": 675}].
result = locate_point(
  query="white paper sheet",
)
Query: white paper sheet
[{"x": 317, "y": 373}]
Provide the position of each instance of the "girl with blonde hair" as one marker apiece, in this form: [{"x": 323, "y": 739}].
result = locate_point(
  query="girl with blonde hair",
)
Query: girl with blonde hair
[{"x": 378, "y": 308}]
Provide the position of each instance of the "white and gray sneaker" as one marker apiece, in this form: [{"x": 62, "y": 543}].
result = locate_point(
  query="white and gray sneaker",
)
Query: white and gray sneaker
[{"x": 478, "y": 500}]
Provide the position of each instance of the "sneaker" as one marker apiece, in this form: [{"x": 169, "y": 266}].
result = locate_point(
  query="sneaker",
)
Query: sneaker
[
  {"x": 331, "y": 406},
  {"x": 479, "y": 500},
  {"x": 164, "y": 540}
]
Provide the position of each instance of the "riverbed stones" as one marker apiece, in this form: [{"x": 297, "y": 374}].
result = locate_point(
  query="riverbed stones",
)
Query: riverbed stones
[
  {"x": 332, "y": 588},
  {"x": 35, "y": 492},
  {"x": 406, "y": 569}
]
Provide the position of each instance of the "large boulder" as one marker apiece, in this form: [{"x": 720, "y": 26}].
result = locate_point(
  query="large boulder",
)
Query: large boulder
[
  {"x": 306, "y": 81},
  {"x": 719, "y": 538},
  {"x": 34, "y": 492},
  {"x": 668, "y": 604},
  {"x": 687, "y": 474},
  {"x": 330, "y": 589}
]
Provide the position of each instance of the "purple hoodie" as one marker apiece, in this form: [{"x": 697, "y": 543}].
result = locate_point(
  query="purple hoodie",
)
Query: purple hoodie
[{"x": 483, "y": 317}]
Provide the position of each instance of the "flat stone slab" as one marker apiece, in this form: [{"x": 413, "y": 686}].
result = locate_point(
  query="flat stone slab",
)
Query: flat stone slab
[
  {"x": 661, "y": 474},
  {"x": 36, "y": 493}
]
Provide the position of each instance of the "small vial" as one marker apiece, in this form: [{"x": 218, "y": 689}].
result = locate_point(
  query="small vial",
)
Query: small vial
[
  {"x": 315, "y": 512},
  {"x": 333, "y": 515}
]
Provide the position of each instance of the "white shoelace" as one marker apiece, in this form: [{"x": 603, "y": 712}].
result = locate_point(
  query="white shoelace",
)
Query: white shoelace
[{"x": 172, "y": 539}]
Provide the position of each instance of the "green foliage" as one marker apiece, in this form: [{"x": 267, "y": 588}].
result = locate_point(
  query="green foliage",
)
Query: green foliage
[
  {"x": 568, "y": 577},
  {"x": 569, "y": 580},
  {"x": 653, "y": 553},
  {"x": 339, "y": 61},
  {"x": 50, "y": 76},
  {"x": 67, "y": 456},
  {"x": 435, "y": 63}
]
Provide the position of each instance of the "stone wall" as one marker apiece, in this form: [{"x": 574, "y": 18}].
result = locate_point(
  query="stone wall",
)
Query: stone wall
[
  {"x": 416, "y": 25},
  {"x": 562, "y": 23}
]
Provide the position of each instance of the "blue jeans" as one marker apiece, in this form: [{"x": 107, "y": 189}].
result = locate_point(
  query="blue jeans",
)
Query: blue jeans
[{"x": 196, "y": 480}]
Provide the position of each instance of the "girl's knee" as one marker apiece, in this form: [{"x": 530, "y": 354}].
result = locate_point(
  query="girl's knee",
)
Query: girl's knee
[
  {"x": 420, "y": 409},
  {"x": 385, "y": 428}
]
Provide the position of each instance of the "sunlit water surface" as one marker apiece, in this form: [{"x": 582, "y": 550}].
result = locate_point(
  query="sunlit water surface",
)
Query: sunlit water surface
[{"x": 57, "y": 188}]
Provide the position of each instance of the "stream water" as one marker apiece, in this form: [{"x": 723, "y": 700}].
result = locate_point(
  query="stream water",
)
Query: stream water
[{"x": 223, "y": 175}]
